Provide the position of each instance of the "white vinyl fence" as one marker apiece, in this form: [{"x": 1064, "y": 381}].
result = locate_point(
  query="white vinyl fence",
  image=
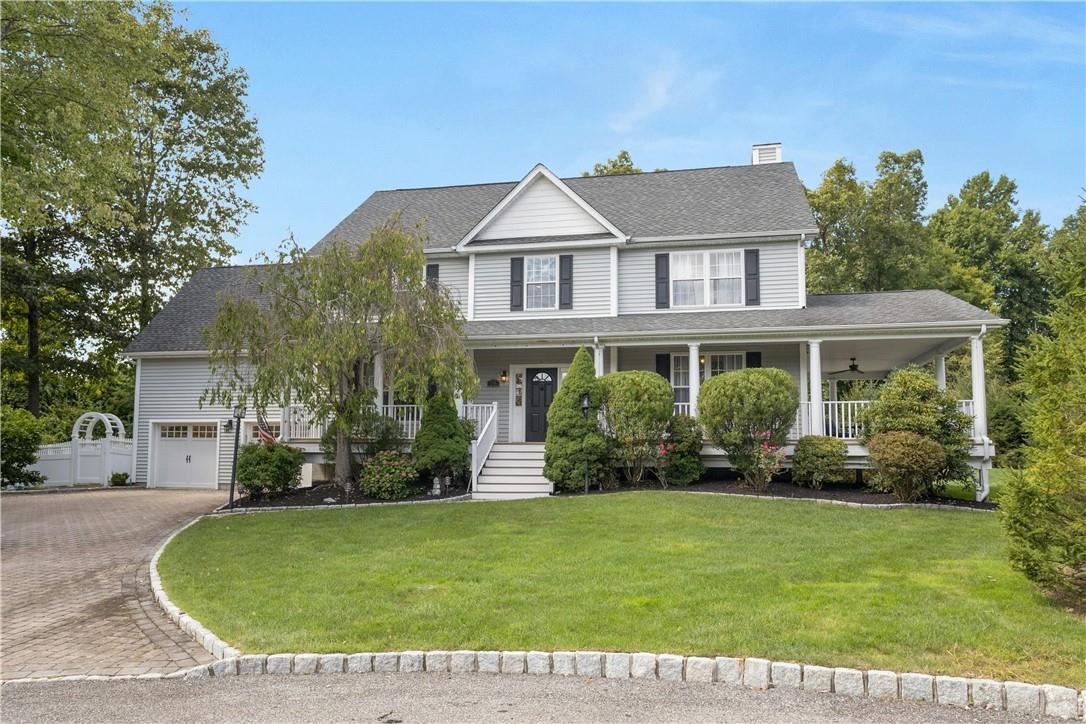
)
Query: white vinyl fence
[{"x": 86, "y": 461}]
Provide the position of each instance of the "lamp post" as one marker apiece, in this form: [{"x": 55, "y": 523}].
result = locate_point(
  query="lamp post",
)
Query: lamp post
[
  {"x": 584, "y": 411},
  {"x": 239, "y": 414}
]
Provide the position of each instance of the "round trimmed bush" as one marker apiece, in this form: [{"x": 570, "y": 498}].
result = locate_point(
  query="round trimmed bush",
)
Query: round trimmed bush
[
  {"x": 637, "y": 409},
  {"x": 269, "y": 470},
  {"x": 20, "y": 436},
  {"x": 747, "y": 414},
  {"x": 574, "y": 439},
  {"x": 819, "y": 459},
  {"x": 905, "y": 464},
  {"x": 678, "y": 457},
  {"x": 388, "y": 475}
]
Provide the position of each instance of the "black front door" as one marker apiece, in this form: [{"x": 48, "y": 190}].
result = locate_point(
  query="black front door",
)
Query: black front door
[{"x": 541, "y": 384}]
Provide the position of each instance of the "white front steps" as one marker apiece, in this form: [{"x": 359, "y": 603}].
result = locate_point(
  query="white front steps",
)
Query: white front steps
[{"x": 513, "y": 471}]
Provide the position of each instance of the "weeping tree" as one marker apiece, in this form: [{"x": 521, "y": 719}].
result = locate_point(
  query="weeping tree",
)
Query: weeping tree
[{"x": 307, "y": 327}]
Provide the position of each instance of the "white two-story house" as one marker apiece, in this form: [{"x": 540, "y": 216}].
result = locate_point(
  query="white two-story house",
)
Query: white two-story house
[{"x": 688, "y": 273}]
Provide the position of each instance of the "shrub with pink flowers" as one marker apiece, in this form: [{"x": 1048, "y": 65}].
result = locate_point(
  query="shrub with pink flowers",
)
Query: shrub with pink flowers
[
  {"x": 747, "y": 414},
  {"x": 678, "y": 456}
]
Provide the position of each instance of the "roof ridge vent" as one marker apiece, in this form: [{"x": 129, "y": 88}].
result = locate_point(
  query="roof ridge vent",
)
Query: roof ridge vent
[{"x": 765, "y": 153}]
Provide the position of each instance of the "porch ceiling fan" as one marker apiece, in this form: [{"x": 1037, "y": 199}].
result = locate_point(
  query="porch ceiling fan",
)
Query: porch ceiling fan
[{"x": 852, "y": 368}]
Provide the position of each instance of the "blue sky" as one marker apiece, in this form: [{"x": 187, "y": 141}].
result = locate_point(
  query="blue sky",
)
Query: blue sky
[{"x": 353, "y": 98}]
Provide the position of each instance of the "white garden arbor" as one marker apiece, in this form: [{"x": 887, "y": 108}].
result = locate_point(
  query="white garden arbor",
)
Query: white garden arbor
[{"x": 87, "y": 460}]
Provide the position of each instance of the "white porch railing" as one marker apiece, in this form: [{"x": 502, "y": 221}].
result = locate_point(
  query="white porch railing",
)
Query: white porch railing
[
  {"x": 485, "y": 437},
  {"x": 842, "y": 419},
  {"x": 302, "y": 426},
  {"x": 682, "y": 408}
]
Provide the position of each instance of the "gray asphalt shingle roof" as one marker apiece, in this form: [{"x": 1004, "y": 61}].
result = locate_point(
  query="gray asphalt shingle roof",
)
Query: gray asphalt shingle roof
[
  {"x": 179, "y": 327},
  {"x": 721, "y": 200}
]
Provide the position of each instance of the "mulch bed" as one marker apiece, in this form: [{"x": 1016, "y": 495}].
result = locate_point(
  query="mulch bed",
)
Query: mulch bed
[
  {"x": 717, "y": 481},
  {"x": 318, "y": 494}
]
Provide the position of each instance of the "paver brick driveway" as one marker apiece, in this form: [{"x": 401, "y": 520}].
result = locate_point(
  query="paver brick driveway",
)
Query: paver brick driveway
[{"x": 75, "y": 594}]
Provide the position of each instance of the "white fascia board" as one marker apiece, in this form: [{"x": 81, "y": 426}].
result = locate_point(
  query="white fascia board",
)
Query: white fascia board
[
  {"x": 542, "y": 246},
  {"x": 439, "y": 251},
  {"x": 750, "y": 235},
  {"x": 186, "y": 354},
  {"x": 536, "y": 172}
]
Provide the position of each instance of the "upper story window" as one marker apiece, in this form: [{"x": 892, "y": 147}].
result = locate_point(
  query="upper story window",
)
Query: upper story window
[
  {"x": 541, "y": 282},
  {"x": 700, "y": 278}
]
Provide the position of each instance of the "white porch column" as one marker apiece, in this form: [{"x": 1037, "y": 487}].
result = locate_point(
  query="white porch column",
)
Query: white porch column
[
  {"x": 980, "y": 402},
  {"x": 804, "y": 375},
  {"x": 814, "y": 362},
  {"x": 614, "y": 359},
  {"x": 940, "y": 371},
  {"x": 695, "y": 376},
  {"x": 598, "y": 349},
  {"x": 378, "y": 379}
]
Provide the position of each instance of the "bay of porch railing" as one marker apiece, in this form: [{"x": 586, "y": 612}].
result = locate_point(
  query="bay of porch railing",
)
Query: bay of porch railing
[{"x": 301, "y": 425}]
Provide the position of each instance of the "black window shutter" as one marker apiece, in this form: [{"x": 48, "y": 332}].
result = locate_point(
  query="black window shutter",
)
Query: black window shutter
[
  {"x": 432, "y": 274},
  {"x": 663, "y": 365},
  {"x": 754, "y": 359},
  {"x": 663, "y": 293},
  {"x": 754, "y": 284},
  {"x": 516, "y": 284},
  {"x": 565, "y": 281}
]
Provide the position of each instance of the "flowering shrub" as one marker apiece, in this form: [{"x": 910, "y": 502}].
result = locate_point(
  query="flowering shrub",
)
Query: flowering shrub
[
  {"x": 389, "y": 475},
  {"x": 637, "y": 410},
  {"x": 765, "y": 461},
  {"x": 678, "y": 458}
]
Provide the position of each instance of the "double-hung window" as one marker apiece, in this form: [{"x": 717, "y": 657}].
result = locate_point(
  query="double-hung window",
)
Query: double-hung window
[
  {"x": 722, "y": 362},
  {"x": 706, "y": 278},
  {"x": 680, "y": 377},
  {"x": 541, "y": 282}
]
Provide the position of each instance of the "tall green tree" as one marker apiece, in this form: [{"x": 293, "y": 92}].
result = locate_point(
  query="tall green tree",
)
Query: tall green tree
[
  {"x": 620, "y": 164},
  {"x": 575, "y": 446},
  {"x": 192, "y": 147},
  {"x": 313, "y": 324},
  {"x": 984, "y": 227},
  {"x": 1044, "y": 508}
]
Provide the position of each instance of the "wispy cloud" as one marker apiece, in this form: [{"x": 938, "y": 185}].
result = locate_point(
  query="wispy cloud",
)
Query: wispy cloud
[{"x": 668, "y": 86}]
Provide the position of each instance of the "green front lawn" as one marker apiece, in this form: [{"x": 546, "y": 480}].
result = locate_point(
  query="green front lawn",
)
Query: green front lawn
[
  {"x": 996, "y": 480},
  {"x": 919, "y": 590}
]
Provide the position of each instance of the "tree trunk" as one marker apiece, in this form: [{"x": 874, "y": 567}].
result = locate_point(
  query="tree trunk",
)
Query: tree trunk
[
  {"x": 344, "y": 473},
  {"x": 143, "y": 281},
  {"x": 33, "y": 333}
]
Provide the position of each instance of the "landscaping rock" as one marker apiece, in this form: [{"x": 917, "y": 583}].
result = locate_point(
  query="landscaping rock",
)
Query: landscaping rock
[
  {"x": 410, "y": 661},
  {"x": 489, "y": 662},
  {"x": 882, "y": 684},
  {"x": 1022, "y": 697},
  {"x": 225, "y": 667},
  {"x": 306, "y": 663},
  {"x": 217, "y": 647},
  {"x": 849, "y": 682},
  {"x": 643, "y": 666},
  {"x": 359, "y": 663},
  {"x": 952, "y": 691},
  {"x": 437, "y": 661},
  {"x": 917, "y": 687},
  {"x": 230, "y": 652},
  {"x": 278, "y": 664},
  {"x": 513, "y": 662},
  {"x": 539, "y": 662},
  {"x": 729, "y": 670},
  {"x": 1060, "y": 701},
  {"x": 987, "y": 694},
  {"x": 251, "y": 665},
  {"x": 198, "y": 672},
  {"x": 332, "y": 664},
  {"x": 462, "y": 662},
  {"x": 818, "y": 678},
  {"x": 700, "y": 668},
  {"x": 386, "y": 662},
  {"x": 564, "y": 663},
  {"x": 669, "y": 667},
  {"x": 786, "y": 675},
  {"x": 616, "y": 666},
  {"x": 589, "y": 663},
  {"x": 756, "y": 673}
]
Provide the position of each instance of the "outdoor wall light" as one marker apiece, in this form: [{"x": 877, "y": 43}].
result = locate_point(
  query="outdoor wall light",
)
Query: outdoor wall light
[{"x": 503, "y": 377}]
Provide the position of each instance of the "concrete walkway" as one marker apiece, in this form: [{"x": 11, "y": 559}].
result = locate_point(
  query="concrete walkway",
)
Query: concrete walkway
[
  {"x": 74, "y": 589},
  {"x": 390, "y": 698}
]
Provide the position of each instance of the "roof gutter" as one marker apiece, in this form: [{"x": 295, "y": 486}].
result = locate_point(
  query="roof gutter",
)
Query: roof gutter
[{"x": 730, "y": 235}]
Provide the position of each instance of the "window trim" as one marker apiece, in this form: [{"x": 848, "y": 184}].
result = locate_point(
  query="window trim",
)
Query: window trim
[
  {"x": 709, "y": 362},
  {"x": 557, "y": 274},
  {"x": 707, "y": 368},
  {"x": 707, "y": 279}
]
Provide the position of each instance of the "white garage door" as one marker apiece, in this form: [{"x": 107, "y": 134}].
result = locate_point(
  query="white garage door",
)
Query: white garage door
[{"x": 186, "y": 455}]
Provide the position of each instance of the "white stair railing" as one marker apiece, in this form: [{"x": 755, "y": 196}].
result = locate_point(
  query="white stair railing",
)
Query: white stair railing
[{"x": 483, "y": 443}]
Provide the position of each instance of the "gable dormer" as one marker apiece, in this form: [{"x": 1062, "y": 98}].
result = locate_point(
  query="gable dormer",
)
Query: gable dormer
[{"x": 540, "y": 206}]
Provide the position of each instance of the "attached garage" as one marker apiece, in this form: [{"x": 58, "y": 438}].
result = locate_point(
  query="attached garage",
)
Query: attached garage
[{"x": 185, "y": 454}]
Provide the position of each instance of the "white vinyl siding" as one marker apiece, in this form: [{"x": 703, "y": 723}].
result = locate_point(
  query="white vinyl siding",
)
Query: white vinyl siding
[
  {"x": 591, "y": 286},
  {"x": 170, "y": 391},
  {"x": 779, "y": 272},
  {"x": 541, "y": 209}
]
